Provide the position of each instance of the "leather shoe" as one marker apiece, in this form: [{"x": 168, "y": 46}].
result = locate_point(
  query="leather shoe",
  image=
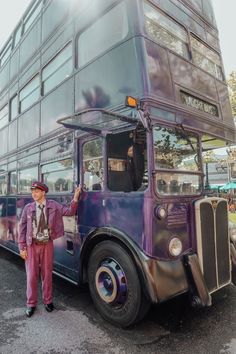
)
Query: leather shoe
[
  {"x": 49, "y": 307},
  {"x": 30, "y": 311}
]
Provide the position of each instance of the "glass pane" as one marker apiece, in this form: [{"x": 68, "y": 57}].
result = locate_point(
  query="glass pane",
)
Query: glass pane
[
  {"x": 177, "y": 184},
  {"x": 92, "y": 165},
  {"x": 30, "y": 99},
  {"x": 175, "y": 149},
  {"x": 32, "y": 16},
  {"x": 17, "y": 36},
  {"x": 12, "y": 137},
  {"x": 3, "y": 184},
  {"x": 55, "y": 63},
  {"x": 103, "y": 34},
  {"x": 58, "y": 76},
  {"x": 59, "y": 181},
  {"x": 3, "y": 140},
  {"x": 26, "y": 178},
  {"x": 165, "y": 31},
  {"x": 30, "y": 87},
  {"x": 13, "y": 182},
  {"x": 6, "y": 52},
  {"x": 59, "y": 165},
  {"x": 206, "y": 58},
  {"x": 29, "y": 160},
  {"x": 3, "y": 116},
  {"x": 13, "y": 108}
]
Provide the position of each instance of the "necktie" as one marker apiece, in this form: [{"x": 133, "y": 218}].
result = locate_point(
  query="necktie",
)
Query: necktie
[{"x": 42, "y": 221}]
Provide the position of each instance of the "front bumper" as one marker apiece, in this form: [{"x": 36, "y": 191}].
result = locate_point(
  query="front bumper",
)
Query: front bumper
[{"x": 167, "y": 279}]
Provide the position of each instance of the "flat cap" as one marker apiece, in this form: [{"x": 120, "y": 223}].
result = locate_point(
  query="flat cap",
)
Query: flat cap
[{"x": 39, "y": 185}]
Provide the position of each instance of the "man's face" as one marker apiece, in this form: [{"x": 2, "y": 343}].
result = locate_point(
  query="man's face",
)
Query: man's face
[
  {"x": 38, "y": 195},
  {"x": 130, "y": 151}
]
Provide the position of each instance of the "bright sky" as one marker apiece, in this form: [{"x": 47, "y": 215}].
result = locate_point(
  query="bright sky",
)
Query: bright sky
[{"x": 225, "y": 10}]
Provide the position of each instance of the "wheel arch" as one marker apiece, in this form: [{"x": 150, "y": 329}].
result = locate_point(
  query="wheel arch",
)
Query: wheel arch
[{"x": 114, "y": 235}]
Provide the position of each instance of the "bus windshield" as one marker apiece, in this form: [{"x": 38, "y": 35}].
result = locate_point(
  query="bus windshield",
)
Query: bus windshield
[{"x": 176, "y": 156}]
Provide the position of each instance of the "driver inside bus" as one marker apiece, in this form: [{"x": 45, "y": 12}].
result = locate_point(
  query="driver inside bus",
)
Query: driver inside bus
[{"x": 135, "y": 165}]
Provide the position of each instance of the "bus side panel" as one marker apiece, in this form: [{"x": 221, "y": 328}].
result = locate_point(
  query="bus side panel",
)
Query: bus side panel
[{"x": 125, "y": 213}]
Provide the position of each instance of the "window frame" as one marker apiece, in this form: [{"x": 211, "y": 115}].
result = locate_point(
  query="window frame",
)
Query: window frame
[
  {"x": 56, "y": 170},
  {"x": 176, "y": 24},
  {"x": 20, "y": 109},
  {"x": 210, "y": 49},
  {"x": 62, "y": 64},
  {"x": 5, "y": 116},
  {"x": 18, "y": 177},
  {"x": 88, "y": 27}
]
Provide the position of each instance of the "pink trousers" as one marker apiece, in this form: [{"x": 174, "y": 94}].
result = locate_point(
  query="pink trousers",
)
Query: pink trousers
[{"x": 39, "y": 261}]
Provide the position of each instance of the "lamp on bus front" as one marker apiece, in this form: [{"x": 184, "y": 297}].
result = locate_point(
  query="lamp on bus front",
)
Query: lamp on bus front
[
  {"x": 175, "y": 247},
  {"x": 131, "y": 102}
]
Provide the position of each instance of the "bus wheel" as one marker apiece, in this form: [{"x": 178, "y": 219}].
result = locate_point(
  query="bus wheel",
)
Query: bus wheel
[{"x": 114, "y": 285}]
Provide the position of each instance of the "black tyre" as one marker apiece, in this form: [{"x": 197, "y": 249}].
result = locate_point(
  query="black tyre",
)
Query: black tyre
[{"x": 114, "y": 285}]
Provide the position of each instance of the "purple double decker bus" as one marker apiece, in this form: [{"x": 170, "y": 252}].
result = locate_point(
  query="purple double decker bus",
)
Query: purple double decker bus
[{"x": 123, "y": 97}]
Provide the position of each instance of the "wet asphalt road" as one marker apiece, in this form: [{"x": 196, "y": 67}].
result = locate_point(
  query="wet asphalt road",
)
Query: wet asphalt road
[{"x": 76, "y": 327}]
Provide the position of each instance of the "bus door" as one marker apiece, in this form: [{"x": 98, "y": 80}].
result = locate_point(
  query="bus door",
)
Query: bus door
[{"x": 98, "y": 123}]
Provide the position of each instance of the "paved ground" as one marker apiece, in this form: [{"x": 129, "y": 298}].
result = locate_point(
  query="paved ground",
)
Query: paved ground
[{"x": 76, "y": 327}]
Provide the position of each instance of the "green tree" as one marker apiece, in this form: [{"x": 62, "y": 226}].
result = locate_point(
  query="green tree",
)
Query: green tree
[{"x": 232, "y": 91}]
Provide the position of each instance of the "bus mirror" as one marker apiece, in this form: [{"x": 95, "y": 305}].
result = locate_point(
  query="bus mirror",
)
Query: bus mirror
[{"x": 131, "y": 102}]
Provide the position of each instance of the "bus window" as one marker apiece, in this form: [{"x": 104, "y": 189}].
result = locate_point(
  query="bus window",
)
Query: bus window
[
  {"x": 58, "y": 175},
  {"x": 127, "y": 165},
  {"x": 3, "y": 184},
  {"x": 58, "y": 69},
  {"x": 108, "y": 31},
  {"x": 93, "y": 165},
  {"x": 31, "y": 16},
  {"x": 13, "y": 182},
  {"x": 13, "y": 108},
  {"x": 165, "y": 31},
  {"x": 206, "y": 58},
  {"x": 30, "y": 93},
  {"x": 26, "y": 178},
  {"x": 3, "y": 116},
  {"x": 6, "y": 52},
  {"x": 17, "y": 35},
  {"x": 176, "y": 161}
]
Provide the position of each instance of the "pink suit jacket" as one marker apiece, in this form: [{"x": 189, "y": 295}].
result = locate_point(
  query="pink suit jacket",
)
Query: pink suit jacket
[{"x": 55, "y": 212}]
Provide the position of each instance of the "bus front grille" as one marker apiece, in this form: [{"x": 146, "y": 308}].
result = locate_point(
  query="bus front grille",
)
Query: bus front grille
[{"x": 213, "y": 241}]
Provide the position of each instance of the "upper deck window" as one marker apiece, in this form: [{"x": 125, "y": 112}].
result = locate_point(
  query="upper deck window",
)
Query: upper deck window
[
  {"x": 31, "y": 16},
  {"x": 103, "y": 34},
  {"x": 3, "y": 116},
  {"x": 165, "y": 31},
  {"x": 30, "y": 93},
  {"x": 6, "y": 52},
  {"x": 58, "y": 69},
  {"x": 13, "y": 107},
  {"x": 17, "y": 36},
  {"x": 206, "y": 58}
]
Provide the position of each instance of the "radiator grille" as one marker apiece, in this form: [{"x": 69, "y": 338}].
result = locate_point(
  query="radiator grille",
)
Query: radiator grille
[{"x": 213, "y": 241}]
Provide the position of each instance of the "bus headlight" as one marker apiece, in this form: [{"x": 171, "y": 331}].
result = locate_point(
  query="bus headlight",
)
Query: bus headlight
[
  {"x": 160, "y": 212},
  {"x": 232, "y": 231},
  {"x": 175, "y": 247}
]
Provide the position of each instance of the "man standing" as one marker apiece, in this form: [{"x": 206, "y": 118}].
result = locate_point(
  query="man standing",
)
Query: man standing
[{"x": 41, "y": 223}]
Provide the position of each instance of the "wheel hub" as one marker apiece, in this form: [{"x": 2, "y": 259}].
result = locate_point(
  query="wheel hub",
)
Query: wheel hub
[{"x": 111, "y": 282}]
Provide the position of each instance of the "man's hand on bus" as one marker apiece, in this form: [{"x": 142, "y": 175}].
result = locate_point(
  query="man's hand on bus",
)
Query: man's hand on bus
[{"x": 23, "y": 254}]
